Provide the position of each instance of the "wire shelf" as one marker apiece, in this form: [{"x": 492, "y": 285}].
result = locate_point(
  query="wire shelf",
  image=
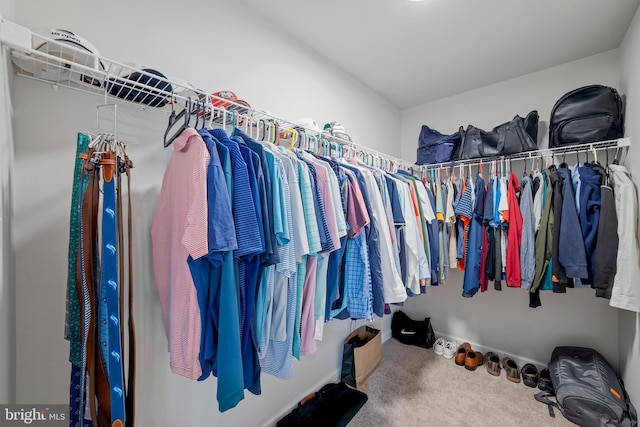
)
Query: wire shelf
[
  {"x": 64, "y": 64},
  {"x": 590, "y": 147}
]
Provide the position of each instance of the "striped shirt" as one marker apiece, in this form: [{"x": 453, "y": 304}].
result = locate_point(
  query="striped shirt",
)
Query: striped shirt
[{"x": 179, "y": 229}]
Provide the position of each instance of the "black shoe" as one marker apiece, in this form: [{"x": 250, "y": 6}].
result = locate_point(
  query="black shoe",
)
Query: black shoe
[
  {"x": 544, "y": 381},
  {"x": 529, "y": 375}
]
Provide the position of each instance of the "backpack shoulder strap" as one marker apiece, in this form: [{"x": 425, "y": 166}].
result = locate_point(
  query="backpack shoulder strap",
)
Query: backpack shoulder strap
[{"x": 543, "y": 397}]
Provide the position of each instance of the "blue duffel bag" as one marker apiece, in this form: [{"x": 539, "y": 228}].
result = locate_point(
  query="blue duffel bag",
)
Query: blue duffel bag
[{"x": 434, "y": 147}]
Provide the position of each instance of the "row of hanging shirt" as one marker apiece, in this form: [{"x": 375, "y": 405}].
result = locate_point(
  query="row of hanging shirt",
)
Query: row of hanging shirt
[
  {"x": 557, "y": 228},
  {"x": 256, "y": 246}
]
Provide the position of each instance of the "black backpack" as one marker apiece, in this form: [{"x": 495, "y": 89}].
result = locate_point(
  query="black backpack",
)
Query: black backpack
[
  {"x": 587, "y": 114},
  {"x": 587, "y": 390}
]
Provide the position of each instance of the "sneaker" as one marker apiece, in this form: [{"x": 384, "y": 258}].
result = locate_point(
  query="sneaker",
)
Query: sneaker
[
  {"x": 438, "y": 346},
  {"x": 449, "y": 350}
]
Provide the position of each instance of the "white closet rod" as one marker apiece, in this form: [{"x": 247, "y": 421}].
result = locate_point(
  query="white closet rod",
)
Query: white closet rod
[{"x": 63, "y": 64}]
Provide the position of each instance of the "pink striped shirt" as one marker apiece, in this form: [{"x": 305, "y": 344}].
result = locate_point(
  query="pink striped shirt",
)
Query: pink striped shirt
[{"x": 179, "y": 229}]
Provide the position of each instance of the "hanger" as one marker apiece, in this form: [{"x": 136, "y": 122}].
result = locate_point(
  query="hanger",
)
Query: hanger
[
  {"x": 176, "y": 126},
  {"x": 197, "y": 111},
  {"x": 277, "y": 133},
  {"x": 260, "y": 126},
  {"x": 294, "y": 135},
  {"x": 333, "y": 145},
  {"x": 300, "y": 141},
  {"x": 268, "y": 131}
]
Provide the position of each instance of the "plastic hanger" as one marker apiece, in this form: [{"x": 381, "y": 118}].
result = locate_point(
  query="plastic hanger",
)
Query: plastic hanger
[
  {"x": 176, "y": 126},
  {"x": 294, "y": 136},
  {"x": 268, "y": 132},
  {"x": 197, "y": 115}
]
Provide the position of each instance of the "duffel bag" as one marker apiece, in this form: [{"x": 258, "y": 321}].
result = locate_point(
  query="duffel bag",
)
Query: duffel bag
[
  {"x": 412, "y": 332},
  {"x": 435, "y": 147},
  {"x": 516, "y": 136}
]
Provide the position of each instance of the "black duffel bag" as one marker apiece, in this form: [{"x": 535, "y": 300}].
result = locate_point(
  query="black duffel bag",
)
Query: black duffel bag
[
  {"x": 512, "y": 137},
  {"x": 412, "y": 332}
]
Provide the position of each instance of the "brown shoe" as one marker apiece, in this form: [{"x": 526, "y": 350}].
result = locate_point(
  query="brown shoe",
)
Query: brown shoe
[
  {"x": 493, "y": 364},
  {"x": 511, "y": 369},
  {"x": 473, "y": 360},
  {"x": 461, "y": 354}
]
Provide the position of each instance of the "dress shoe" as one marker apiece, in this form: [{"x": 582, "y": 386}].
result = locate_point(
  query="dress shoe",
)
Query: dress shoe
[
  {"x": 530, "y": 375},
  {"x": 511, "y": 369},
  {"x": 473, "y": 360},
  {"x": 493, "y": 364},
  {"x": 461, "y": 353}
]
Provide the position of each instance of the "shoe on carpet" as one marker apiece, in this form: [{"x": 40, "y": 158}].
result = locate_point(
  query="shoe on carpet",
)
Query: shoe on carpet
[
  {"x": 438, "y": 346},
  {"x": 511, "y": 369},
  {"x": 473, "y": 360},
  {"x": 530, "y": 375},
  {"x": 544, "y": 380},
  {"x": 461, "y": 353},
  {"x": 449, "y": 350},
  {"x": 493, "y": 363}
]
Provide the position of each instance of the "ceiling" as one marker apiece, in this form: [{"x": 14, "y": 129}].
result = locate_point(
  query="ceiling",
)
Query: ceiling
[{"x": 415, "y": 52}]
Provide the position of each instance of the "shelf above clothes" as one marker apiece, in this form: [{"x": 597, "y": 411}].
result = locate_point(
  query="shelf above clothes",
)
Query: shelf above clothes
[
  {"x": 621, "y": 145},
  {"x": 64, "y": 64}
]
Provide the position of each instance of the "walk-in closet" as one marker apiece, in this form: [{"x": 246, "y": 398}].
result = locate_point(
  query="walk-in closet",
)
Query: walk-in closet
[{"x": 204, "y": 203}]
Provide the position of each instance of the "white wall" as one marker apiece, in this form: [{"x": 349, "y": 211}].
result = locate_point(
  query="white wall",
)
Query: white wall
[
  {"x": 7, "y": 287},
  {"x": 630, "y": 85},
  {"x": 215, "y": 45},
  {"x": 503, "y": 321}
]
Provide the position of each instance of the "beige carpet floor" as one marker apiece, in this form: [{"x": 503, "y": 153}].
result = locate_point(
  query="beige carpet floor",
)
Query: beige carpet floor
[{"x": 415, "y": 387}]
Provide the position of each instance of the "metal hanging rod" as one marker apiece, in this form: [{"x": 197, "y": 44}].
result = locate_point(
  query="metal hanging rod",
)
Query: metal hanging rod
[
  {"x": 544, "y": 153},
  {"x": 63, "y": 64}
]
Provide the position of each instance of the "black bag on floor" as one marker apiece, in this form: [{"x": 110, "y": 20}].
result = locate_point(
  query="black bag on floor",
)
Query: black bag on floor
[
  {"x": 587, "y": 390},
  {"x": 587, "y": 114},
  {"x": 333, "y": 406},
  {"x": 412, "y": 332}
]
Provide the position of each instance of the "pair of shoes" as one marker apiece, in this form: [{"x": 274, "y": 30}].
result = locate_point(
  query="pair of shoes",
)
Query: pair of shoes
[
  {"x": 444, "y": 348},
  {"x": 467, "y": 357},
  {"x": 511, "y": 369},
  {"x": 544, "y": 380},
  {"x": 493, "y": 364}
]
